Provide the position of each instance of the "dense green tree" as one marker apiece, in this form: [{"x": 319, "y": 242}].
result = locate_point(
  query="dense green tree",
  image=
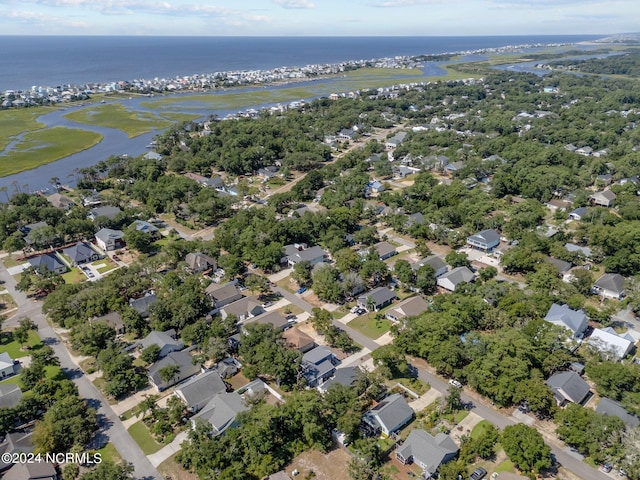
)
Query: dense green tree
[{"x": 526, "y": 448}]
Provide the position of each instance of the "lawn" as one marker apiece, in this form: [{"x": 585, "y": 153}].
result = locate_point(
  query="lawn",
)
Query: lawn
[
  {"x": 479, "y": 428},
  {"x": 12, "y": 347},
  {"x": 51, "y": 372},
  {"x": 107, "y": 265},
  {"x": 371, "y": 327},
  {"x": 109, "y": 452},
  {"x": 11, "y": 261},
  {"x": 141, "y": 435},
  {"x": 44, "y": 146},
  {"x": 133, "y": 123},
  {"x": 74, "y": 276}
]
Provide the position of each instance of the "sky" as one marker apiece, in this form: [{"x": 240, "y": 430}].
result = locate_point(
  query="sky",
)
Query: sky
[{"x": 317, "y": 17}]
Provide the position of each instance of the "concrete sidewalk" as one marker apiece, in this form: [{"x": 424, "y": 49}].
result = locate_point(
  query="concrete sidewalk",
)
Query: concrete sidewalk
[{"x": 168, "y": 450}]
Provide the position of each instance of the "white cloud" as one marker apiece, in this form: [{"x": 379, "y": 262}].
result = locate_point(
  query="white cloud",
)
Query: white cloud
[
  {"x": 306, "y": 4},
  {"x": 404, "y": 3}
]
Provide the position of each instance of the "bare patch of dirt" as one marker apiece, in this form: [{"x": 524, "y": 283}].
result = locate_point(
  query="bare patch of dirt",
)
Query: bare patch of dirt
[
  {"x": 329, "y": 466},
  {"x": 170, "y": 470}
]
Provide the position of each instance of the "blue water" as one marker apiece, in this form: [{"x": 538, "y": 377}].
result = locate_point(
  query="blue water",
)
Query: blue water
[
  {"x": 53, "y": 61},
  {"x": 58, "y": 60}
]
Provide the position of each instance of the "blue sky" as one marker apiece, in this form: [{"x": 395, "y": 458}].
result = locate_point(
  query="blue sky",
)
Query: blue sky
[{"x": 317, "y": 17}]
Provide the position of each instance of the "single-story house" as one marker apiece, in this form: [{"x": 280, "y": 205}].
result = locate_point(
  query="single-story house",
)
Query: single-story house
[
  {"x": 578, "y": 213},
  {"x": 114, "y": 320},
  {"x": 454, "y": 166},
  {"x": 298, "y": 340},
  {"x": 573, "y": 320},
  {"x": 571, "y": 247},
  {"x": 15, "y": 442},
  {"x": 197, "y": 392},
  {"x": 486, "y": 240},
  {"x": 611, "y": 408},
  {"x": 568, "y": 387},
  {"x": 456, "y": 277},
  {"x": 375, "y": 186},
  {"x": 49, "y": 262},
  {"x": 562, "y": 266},
  {"x": 198, "y": 262},
  {"x": 409, "y": 307},
  {"x": 30, "y": 233},
  {"x": 605, "y": 198},
  {"x": 148, "y": 228},
  {"x": 610, "y": 285},
  {"x": 438, "y": 265},
  {"x": 385, "y": 250},
  {"x": 426, "y": 451},
  {"x": 396, "y": 140},
  {"x": 221, "y": 411},
  {"x": 60, "y": 201},
  {"x": 7, "y": 365},
  {"x": 389, "y": 415},
  {"x": 32, "y": 471},
  {"x": 186, "y": 369},
  {"x": 142, "y": 304},
  {"x": 227, "y": 367},
  {"x": 108, "y": 239},
  {"x": 318, "y": 365},
  {"x": 243, "y": 309},
  {"x": 165, "y": 340},
  {"x": 81, "y": 253},
  {"x": 275, "y": 319},
  {"x": 345, "y": 376},
  {"x": 10, "y": 395},
  {"x": 223, "y": 294},
  {"x": 377, "y": 298},
  {"x": 297, "y": 253},
  {"x": 609, "y": 343},
  {"x": 107, "y": 211}
]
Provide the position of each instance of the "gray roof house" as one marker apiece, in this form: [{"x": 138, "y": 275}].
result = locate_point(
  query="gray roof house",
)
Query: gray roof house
[
  {"x": 396, "y": 140},
  {"x": 109, "y": 239},
  {"x": 562, "y": 266},
  {"x": 385, "y": 250},
  {"x": 164, "y": 340},
  {"x": 568, "y": 387},
  {"x": 223, "y": 294},
  {"x": 107, "y": 211},
  {"x": 578, "y": 213},
  {"x": 198, "y": 262},
  {"x": 427, "y": 451},
  {"x": 380, "y": 297},
  {"x": 184, "y": 362},
  {"x": 390, "y": 415},
  {"x": 60, "y": 201},
  {"x": 275, "y": 319},
  {"x": 456, "y": 277},
  {"x": 221, "y": 411},
  {"x": 345, "y": 376},
  {"x": 114, "y": 320},
  {"x": 486, "y": 240},
  {"x": 563, "y": 316},
  {"x": 15, "y": 442},
  {"x": 611, "y": 408},
  {"x": 197, "y": 392},
  {"x": 244, "y": 308},
  {"x": 296, "y": 254},
  {"x": 610, "y": 285},
  {"x": 142, "y": 304},
  {"x": 435, "y": 262},
  {"x": 605, "y": 198},
  {"x": 49, "y": 262},
  {"x": 146, "y": 227},
  {"x": 81, "y": 253},
  {"x": 318, "y": 365},
  {"x": 32, "y": 471},
  {"x": 409, "y": 307},
  {"x": 10, "y": 395},
  {"x": 7, "y": 365}
]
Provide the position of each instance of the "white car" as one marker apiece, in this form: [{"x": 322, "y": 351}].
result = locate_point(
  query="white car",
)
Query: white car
[{"x": 455, "y": 383}]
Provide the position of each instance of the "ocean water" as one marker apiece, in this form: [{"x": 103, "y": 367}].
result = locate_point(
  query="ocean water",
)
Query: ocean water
[{"x": 57, "y": 60}]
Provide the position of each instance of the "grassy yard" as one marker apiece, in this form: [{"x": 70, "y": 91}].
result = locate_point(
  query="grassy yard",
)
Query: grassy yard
[
  {"x": 371, "y": 327},
  {"x": 109, "y": 452},
  {"x": 133, "y": 123},
  {"x": 479, "y": 428},
  {"x": 74, "y": 276},
  {"x": 141, "y": 435},
  {"x": 12, "y": 347},
  {"x": 11, "y": 261},
  {"x": 44, "y": 146},
  {"x": 6, "y": 301},
  {"x": 107, "y": 265}
]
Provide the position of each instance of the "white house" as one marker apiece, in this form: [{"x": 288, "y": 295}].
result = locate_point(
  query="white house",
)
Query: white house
[
  {"x": 7, "y": 365},
  {"x": 610, "y": 343},
  {"x": 453, "y": 279}
]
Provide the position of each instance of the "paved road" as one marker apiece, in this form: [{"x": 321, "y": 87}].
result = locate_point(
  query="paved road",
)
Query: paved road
[{"x": 111, "y": 428}]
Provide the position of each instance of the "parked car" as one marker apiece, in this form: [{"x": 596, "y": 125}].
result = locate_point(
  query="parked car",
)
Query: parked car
[
  {"x": 302, "y": 289},
  {"x": 354, "y": 309},
  {"x": 90, "y": 274},
  {"x": 478, "y": 474},
  {"x": 291, "y": 316},
  {"x": 606, "y": 468},
  {"x": 266, "y": 304},
  {"x": 457, "y": 384}
]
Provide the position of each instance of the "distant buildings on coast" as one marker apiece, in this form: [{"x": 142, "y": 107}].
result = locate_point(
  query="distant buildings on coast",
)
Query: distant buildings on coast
[{"x": 45, "y": 95}]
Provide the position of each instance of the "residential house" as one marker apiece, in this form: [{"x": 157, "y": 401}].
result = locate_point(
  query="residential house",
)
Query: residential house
[
  {"x": 298, "y": 340},
  {"x": 568, "y": 387},
  {"x": 48, "y": 262},
  {"x": 186, "y": 369},
  {"x": 7, "y": 365},
  {"x": 389, "y": 415},
  {"x": 346, "y": 134},
  {"x": 605, "y": 198},
  {"x": 456, "y": 277},
  {"x": 297, "y": 253},
  {"x": 374, "y": 186},
  {"x": 610, "y": 344},
  {"x": 585, "y": 251},
  {"x": 32, "y": 471},
  {"x": 415, "y": 219},
  {"x": 298, "y": 212},
  {"x": 60, "y": 201},
  {"x": 106, "y": 211},
  {"x": 108, "y": 239},
  {"x": 227, "y": 367},
  {"x": 485, "y": 240},
  {"x": 610, "y": 285},
  {"x": 562, "y": 266},
  {"x": 221, "y": 412},
  {"x": 573, "y": 320},
  {"x": 604, "y": 179},
  {"x": 438, "y": 265},
  {"x": 409, "y": 307},
  {"x": 281, "y": 475},
  {"x": 611, "y": 408},
  {"x": 113, "y": 319},
  {"x": 454, "y": 166},
  {"x": 223, "y": 294},
  {"x": 196, "y": 392},
  {"x": 148, "y": 228},
  {"x": 31, "y": 235},
  {"x": 578, "y": 213},
  {"x": 275, "y": 319},
  {"x": 584, "y": 151},
  {"x": 165, "y": 340},
  {"x": 345, "y": 376},
  {"x": 318, "y": 365},
  {"x": 426, "y": 451},
  {"x": 151, "y": 155},
  {"x": 557, "y": 204},
  {"x": 267, "y": 173},
  {"x": 385, "y": 250},
  {"x": 143, "y": 304},
  {"x": 198, "y": 262},
  {"x": 377, "y": 298},
  {"x": 15, "y": 442},
  {"x": 10, "y": 395},
  {"x": 396, "y": 140},
  {"x": 243, "y": 309},
  {"x": 81, "y": 253}
]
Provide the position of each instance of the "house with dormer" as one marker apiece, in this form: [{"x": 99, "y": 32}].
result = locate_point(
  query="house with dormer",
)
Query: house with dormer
[{"x": 573, "y": 320}]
